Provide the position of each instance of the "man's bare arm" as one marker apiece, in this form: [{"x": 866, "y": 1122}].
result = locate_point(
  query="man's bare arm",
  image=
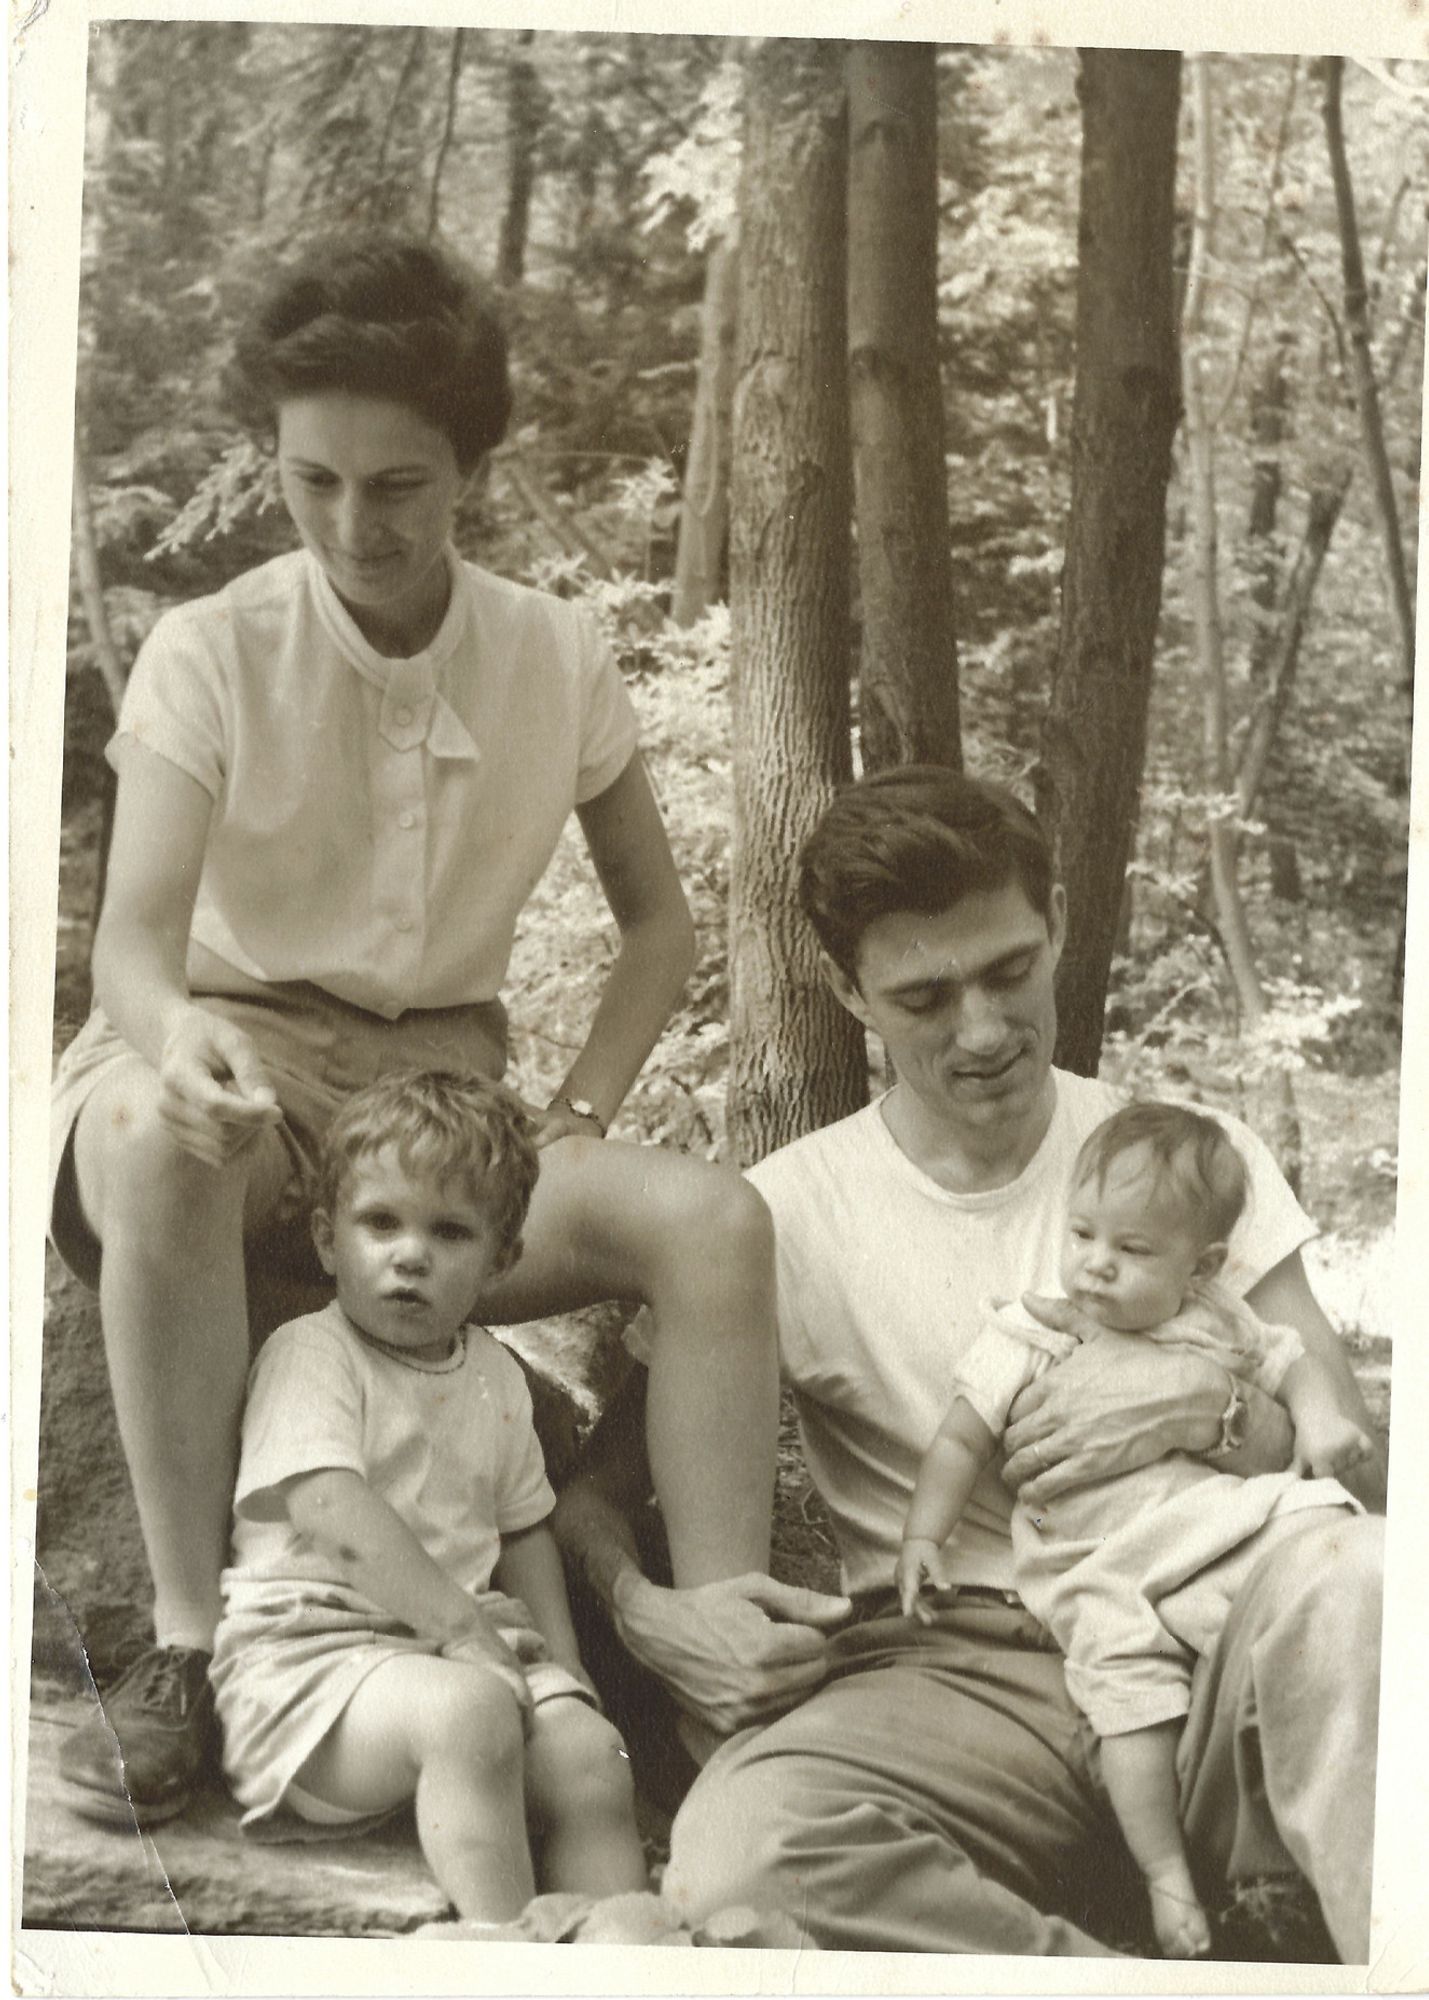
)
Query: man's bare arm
[
  {"x": 1284, "y": 1296},
  {"x": 731, "y": 1652}
]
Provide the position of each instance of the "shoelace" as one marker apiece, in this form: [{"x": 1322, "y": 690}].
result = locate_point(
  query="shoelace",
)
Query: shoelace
[{"x": 162, "y": 1679}]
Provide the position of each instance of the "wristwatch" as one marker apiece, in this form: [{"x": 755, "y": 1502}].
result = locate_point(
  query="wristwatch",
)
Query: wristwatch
[
  {"x": 1234, "y": 1419},
  {"x": 583, "y": 1108}
]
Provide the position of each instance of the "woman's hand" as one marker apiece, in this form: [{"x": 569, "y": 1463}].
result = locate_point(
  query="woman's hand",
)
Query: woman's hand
[
  {"x": 1330, "y": 1445},
  {"x": 214, "y": 1096},
  {"x": 1115, "y": 1403},
  {"x": 561, "y": 1120},
  {"x": 732, "y": 1652}
]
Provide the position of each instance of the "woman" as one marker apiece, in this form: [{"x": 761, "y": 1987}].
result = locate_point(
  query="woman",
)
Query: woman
[{"x": 338, "y": 781}]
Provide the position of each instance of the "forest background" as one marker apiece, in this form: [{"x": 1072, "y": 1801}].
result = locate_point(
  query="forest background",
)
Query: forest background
[{"x": 1255, "y": 953}]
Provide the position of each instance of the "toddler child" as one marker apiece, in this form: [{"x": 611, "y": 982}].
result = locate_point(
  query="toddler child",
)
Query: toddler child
[
  {"x": 389, "y": 1473},
  {"x": 1134, "y": 1575}
]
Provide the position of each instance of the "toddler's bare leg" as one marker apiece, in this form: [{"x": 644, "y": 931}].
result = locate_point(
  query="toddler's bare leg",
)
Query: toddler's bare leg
[
  {"x": 446, "y": 1734},
  {"x": 1140, "y": 1772},
  {"x": 582, "y": 1802}
]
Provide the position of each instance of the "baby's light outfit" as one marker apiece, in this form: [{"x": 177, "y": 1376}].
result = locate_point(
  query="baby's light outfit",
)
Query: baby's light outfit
[
  {"x": 1134, "y": 1575},
  {"x": 451, "y": 1448}
]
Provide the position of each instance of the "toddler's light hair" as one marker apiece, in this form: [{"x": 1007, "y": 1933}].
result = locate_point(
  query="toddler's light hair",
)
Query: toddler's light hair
[
  {"x": 443, "y": 1127},
  {"x": 1189, "y": 1151}
]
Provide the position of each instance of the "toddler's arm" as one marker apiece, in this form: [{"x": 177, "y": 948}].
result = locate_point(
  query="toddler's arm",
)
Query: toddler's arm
[
  {"x": 530, "y": 1568},
  {"x": 1327, "y": 1440},
  {"x": 379, "y": 1555},
  {"x": 945, "y": 1481}
]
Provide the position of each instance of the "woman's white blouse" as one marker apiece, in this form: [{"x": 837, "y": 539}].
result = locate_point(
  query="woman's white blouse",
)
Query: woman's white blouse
[{"x": 378, "y": 824}]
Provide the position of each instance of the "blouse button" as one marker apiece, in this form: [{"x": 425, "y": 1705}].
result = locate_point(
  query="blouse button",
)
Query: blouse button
[
  {"x": 402, "y": 716},
  {"x": 404, "y": 923},
  {"x": 406, "y": 819}
]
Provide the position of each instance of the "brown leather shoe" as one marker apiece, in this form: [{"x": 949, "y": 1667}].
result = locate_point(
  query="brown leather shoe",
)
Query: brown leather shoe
[{"x": 154, "y": 1740}]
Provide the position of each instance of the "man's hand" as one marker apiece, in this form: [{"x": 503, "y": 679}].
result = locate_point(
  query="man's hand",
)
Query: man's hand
[
  {"x": 214, "y": 1095},
  {"x": 732, "y": 1652},
  {"x": 1114, "y": 1404}
]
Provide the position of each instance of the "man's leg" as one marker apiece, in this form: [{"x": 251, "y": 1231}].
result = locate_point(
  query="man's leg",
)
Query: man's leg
[
  {"x": 932, "y": 1798},
  {"x": 695, "y": 1244},
  {"x": 1278, "y": 1760}
]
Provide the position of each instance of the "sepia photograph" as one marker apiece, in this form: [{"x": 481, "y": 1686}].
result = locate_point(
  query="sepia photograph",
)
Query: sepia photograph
[{"x": 724, "y": 912}]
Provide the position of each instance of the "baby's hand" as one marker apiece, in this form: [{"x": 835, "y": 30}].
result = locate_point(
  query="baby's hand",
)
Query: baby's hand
[
  {"x": 919, "y": 1561},
  {"x": 1331, "y": 1444}
]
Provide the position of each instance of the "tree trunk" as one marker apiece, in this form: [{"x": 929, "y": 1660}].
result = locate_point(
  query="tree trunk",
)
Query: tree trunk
[
  {"x": 434, "y": 200},
  {"x": 1123, "y": 420},
  {"x": 1233, "y": 928},
  {"x": 704, "y": 508},
  {"x": 797, "y": 1060},
  {"x": 525, "y": 110},
  {"x": 1362, "y": 363},
  {"x": 908, "y": 673}
]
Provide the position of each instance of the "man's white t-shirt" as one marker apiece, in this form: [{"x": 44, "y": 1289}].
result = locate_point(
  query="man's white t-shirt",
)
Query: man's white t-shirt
[{"x": 881, "y": 1273}]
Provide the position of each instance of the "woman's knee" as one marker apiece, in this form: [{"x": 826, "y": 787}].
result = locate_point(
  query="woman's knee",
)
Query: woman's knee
[
  {"x": 125, "y": 1157},
  {"x": 711, "y": 1224}
]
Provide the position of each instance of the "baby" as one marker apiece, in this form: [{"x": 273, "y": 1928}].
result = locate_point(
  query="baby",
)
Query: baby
[
  {"x": 389, "y": 1474},
  {"x": 1134, "y": 1575}
]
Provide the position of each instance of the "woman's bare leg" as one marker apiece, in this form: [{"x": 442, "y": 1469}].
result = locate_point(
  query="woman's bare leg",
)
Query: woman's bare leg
[
  {"x": 449, "y": 1736},
  {"x": 172, "y": 1305},
  {"x": 695, "y": 1243}
]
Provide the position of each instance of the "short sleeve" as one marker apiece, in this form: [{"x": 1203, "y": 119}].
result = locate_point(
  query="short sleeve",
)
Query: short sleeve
[
  {"x": 609, "y": 731},
  {"x": 1272, "y": 1225},
  {"x": 304, "y": 1414},
  {"x": 992, "y": 1373},
  {"x": 523, "y": 1494},
  {"x": 174, "y": 701}
]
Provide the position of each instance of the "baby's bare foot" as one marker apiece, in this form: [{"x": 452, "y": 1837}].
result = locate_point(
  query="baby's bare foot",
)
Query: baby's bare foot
[{"x": 1182, "y": 1927}]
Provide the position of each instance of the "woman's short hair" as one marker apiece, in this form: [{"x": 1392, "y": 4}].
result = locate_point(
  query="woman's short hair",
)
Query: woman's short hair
[
  {"x": 916, "y": 837},
  {"x": 378, "y": 314},
  {"x": 1189, "y": 1152},
  {"x": 443, "y": 1127}
]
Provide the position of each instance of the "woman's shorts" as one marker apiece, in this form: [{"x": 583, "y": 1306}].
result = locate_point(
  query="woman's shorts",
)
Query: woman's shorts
[{"x": 316, "y": 1051}]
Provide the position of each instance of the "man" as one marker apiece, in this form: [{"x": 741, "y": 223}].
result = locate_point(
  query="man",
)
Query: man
[{"x": 935, "y": 1789}]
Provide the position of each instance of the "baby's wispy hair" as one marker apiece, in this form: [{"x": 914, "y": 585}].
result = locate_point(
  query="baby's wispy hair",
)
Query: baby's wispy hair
[
  {"x": 442, "y": 1126},
  {"x": 1189, "y": 1151}
]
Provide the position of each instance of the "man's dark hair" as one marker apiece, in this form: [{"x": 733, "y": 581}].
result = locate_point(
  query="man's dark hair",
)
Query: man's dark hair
[
  {"x": 378, "y": 314},
  {"x": 916, "y": 837}
]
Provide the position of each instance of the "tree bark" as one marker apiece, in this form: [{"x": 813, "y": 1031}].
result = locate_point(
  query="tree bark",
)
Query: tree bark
[
  {"x": 704, "y": 507},
  {"x": 1223, "y": 838},
  {"x": 1362, "y": 367},
  {"x": 434, "y": 201},
  {"x": 908, "y": 673},
  {"x": 525, "y": 109},
  {"x": 797, "y": 1060},
  {"x": 1124, "y": 416}
]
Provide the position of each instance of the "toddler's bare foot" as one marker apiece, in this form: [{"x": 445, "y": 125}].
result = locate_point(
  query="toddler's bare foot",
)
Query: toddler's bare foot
[{"x": 1182, "y": 1927}]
